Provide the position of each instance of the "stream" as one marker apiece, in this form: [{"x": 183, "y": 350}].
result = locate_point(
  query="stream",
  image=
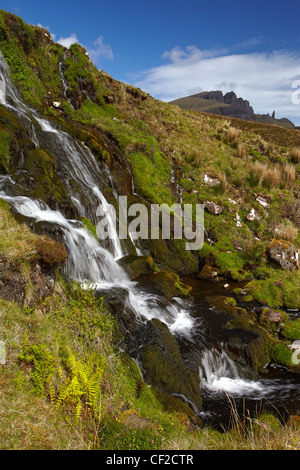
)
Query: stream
[{"x": 197, "y": 327}]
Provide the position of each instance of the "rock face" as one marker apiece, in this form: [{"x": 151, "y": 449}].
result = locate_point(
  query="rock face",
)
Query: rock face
[
  {"x": 285, "y": 254},
  {"x": 162, "y": 363},
  {"x": 230, "y": 105}
]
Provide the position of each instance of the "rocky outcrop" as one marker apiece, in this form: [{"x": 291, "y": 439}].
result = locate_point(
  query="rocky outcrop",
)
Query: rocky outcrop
[
  {"x": 285, "y": 254},
  {"x": 230, "y": 105},
  {"x": 163, "y": 366}
]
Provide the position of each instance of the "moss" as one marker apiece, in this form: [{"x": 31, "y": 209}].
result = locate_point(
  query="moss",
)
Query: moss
[
  {"x": 164, "y": 368},
  {"x": 136, "y": 266},
  {"x": 89, "y": 226},
  {"x": 48, "y": 186},
  {"x": 171, "y": 403},
  {"x": 280, "y": 290},
  {"x": 168, "y": 284},
  {"x": 280, "y": 353},
  {"x": 228, "y": 261},
  {"x": 5, "y": 156},
  {"x": 291, "y": 330}
]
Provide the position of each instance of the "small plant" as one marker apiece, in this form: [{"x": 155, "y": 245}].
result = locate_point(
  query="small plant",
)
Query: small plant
[
  {"x": 41, "y": 363},
  {"x": 80, "y": 393}
]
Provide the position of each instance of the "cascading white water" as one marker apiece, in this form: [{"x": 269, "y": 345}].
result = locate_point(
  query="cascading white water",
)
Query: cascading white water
[
  {"x": 219, "y": 374},
  {"x": 88, "y": 262}
]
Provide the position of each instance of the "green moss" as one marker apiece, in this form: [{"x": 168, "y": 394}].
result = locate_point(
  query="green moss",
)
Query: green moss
[
  {"x": 42, "y": 167},
  {"x": 281, "y": 290},
  {"x": 5, "y": 156},
  {"x": 169, "y": 284},
  {"x": 89, "y": 226},
  {"x": 280, "y": 353},
  {"x": 291, "y": 330},
  {"x": 136, "y": 266}
]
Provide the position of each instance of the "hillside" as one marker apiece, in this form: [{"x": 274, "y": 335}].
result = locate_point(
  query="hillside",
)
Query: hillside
[
  {"x": 118, "y": 344},
  {"x": 227, "y": 105}
]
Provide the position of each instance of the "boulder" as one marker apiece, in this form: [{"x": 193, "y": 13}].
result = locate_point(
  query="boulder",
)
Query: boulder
[
  {"x": 285, "y": 254},
  {"x": 270, "y": 317},
  {"x": 208, "y": 272},
  {"x": 162, "y": 363},
  {"x": 213, "y": 208}
]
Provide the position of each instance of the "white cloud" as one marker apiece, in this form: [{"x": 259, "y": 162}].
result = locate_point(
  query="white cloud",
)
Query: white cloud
[
  {"x": 68, "y": 41},
  {"x": 100, "y": 50},
  {"x": 264, "y": 79}
]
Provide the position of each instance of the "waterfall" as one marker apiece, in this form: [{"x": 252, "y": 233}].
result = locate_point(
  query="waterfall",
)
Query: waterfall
[{"x": 88, "y": 261}]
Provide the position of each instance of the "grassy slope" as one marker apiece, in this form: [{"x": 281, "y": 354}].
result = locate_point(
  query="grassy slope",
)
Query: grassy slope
[{"x": 153, "y": 136}]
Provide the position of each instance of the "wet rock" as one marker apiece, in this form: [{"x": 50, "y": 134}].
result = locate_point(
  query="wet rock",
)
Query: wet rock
[
  {"x": 213, "y": 208},
  {"x": 208, "y": 272},
  {"x": 162, "y": 364},
  {"x": 285, "y": 254},
  {"x": 167, "y": 284},
  {"x": 135, "y": 266},
  {"x": 271, "y": 318}
]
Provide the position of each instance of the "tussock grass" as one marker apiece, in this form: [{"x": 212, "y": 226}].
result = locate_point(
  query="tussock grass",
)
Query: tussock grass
[
  {"x": 289, "y": 175},
  {"x": 240, "y": 151},
  {"x": 17, "y": 242},
  {"x": 272, "y": 176},
  {"x": 286, "y": 231},
  {"x": 295, "y": 155}
]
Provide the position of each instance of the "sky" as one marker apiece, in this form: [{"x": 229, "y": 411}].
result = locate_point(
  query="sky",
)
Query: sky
[{"x": 172, "y": 49}]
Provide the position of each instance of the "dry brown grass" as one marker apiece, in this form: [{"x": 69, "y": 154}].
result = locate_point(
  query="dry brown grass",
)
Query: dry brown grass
[
  {"x": 240, "y": 151},
  {"x": 272, "y": 176},
  {"x": 286, "y": 231},
  {"x": 289, "y": 176},
  {"x": 295, "y": 155},
  {"x": 232, "y": 135},
  {"x": 17, "y": 242}
]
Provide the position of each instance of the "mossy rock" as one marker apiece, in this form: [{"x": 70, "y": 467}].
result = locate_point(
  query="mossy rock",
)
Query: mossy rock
[
  {"x": 209, "y": 273},
  {"x": 47, "y": 186},
  {"x": 266, "y": 422},
  {"x": 226, "y": 305},
  {"x": 162, "y": 364},
  {"x": 167, "y": 284},
  {"x": 135, "y": 266},
  {"x": 173, "y": 404},
  {"x": 279, "y": 353},
  {"x": 271, "y": 319},
  {"x": 132, "y": 420},
  {"x": 291, "y": 330}
]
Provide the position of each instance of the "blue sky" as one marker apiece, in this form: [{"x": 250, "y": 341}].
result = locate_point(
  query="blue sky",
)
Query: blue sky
[{"x": 175, "y": 48}]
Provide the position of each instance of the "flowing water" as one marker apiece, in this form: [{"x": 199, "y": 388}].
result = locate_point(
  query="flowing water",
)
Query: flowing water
[{"x": 93, "y": 263}]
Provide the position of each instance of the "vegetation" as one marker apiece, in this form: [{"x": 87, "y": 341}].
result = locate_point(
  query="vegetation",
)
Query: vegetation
[{"x": 65, "y": 371}]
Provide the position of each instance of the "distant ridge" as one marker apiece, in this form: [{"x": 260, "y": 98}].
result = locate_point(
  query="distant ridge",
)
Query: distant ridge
[{"x": 227, "y": 105}]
